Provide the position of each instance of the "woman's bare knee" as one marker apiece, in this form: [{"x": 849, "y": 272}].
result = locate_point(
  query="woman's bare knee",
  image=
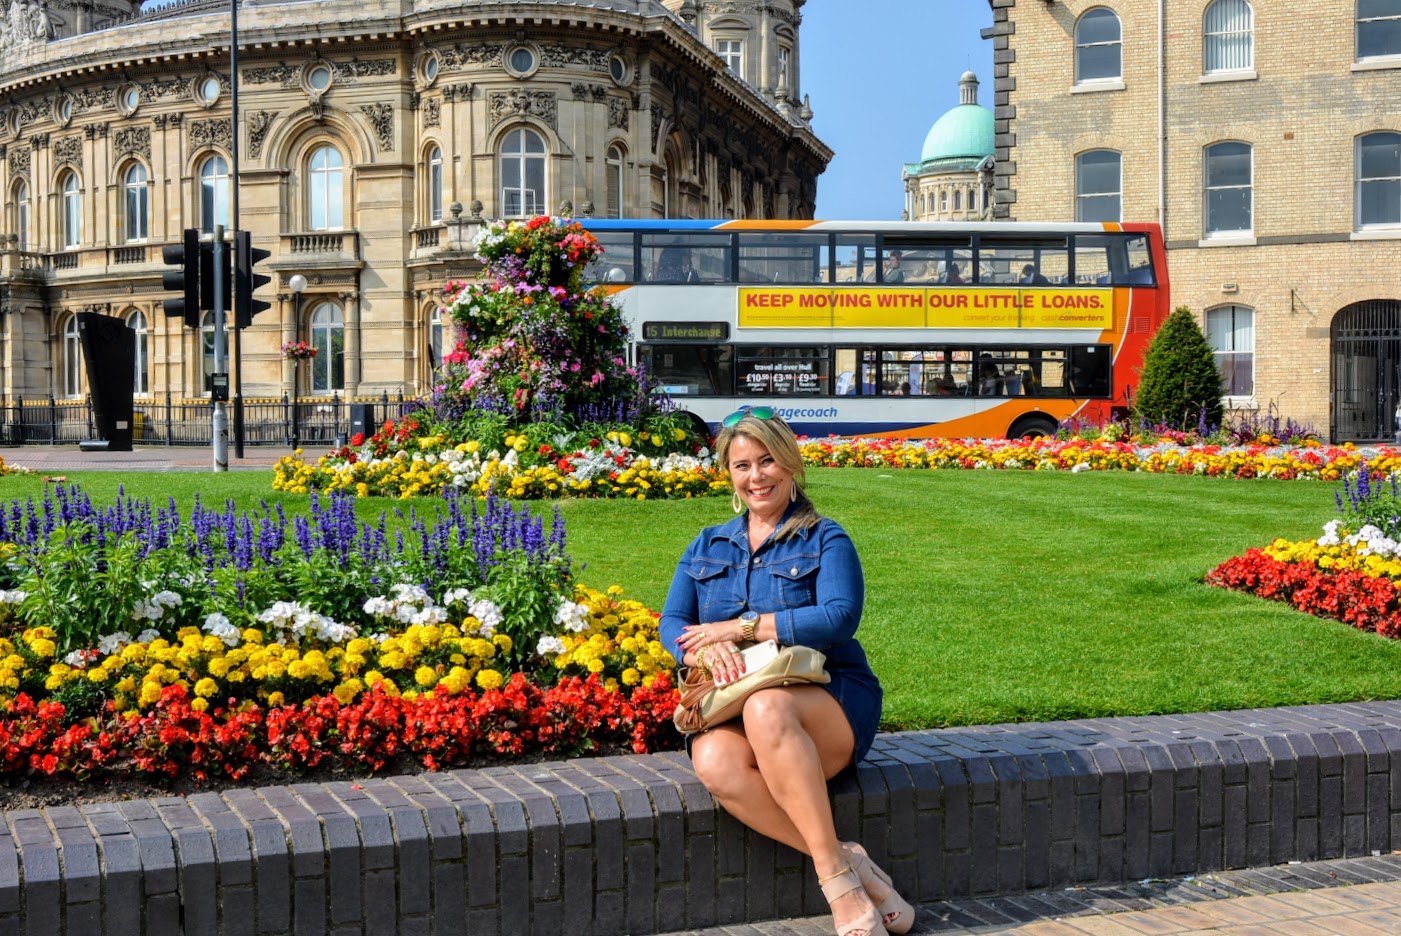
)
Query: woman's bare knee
[{"x": 723, "y": 760}]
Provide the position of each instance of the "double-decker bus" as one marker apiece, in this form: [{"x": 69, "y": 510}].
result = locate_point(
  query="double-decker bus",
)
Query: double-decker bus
[{"x": 890, "y": 328}]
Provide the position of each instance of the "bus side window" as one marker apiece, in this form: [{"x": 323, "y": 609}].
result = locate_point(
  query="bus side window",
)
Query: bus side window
[{"x": 1089, "y": 370}]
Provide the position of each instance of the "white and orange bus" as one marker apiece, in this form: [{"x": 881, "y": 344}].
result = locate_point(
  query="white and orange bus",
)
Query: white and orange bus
[{"x": 890, "y": 328}]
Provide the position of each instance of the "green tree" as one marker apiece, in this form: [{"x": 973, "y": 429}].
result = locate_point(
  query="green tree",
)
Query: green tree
[{"x": 1180, "y": 384}]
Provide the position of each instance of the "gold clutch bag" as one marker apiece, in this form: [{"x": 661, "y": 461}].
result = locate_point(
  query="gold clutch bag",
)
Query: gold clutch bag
[{"x": 705, "y": 704}]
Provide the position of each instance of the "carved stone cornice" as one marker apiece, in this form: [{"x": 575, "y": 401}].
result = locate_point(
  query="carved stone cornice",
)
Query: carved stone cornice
[
  {"x": 86, "y": 99},
  {"x": 69, "y": 150},
  {"x": 541, "y": 104},
  {"x": 96, "y": 131},
  {"x": 290, "y": 76},
  {"x": 177, "y": 88},
  {"x": 584, "y": 92},
  {"x": 259, "y": 122},
  {"x": 133, "y": 140},
  {"x": 382, "y": 117},
  {"x": 216, "y": 132},
  {"x": 458, "y": 92},
  {"x": 563, "y": 56},
  {"x": 481, "y": 54}
]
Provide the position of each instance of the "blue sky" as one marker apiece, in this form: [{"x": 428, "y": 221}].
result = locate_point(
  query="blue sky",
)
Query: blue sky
[{"x": 880, "y": 72}]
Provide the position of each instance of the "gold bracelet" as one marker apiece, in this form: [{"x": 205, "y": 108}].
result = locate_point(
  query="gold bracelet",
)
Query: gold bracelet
[
  {"x": 746, "y": 631},
  {"x": 700, "y": 658}
]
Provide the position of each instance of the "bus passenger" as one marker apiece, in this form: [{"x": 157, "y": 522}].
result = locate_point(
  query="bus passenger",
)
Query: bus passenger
[
  {"x": 989, "y": 380},
  {"x": 674, "y": 266},
  {"x": 893, "y": 273},
  {"x": 1030, "y": 277},
  {"x": 952, "y": 277}
]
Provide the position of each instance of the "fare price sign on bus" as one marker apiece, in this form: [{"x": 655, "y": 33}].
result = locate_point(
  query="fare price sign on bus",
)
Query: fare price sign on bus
[{"x": 937, "y": 307}]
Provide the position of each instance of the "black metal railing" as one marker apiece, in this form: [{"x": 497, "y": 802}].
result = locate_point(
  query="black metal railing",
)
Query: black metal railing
[{"x": 313, "y": 422}]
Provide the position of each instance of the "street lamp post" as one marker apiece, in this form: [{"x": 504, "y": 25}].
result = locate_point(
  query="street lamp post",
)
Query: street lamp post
[{"x": 296, "y": 283}]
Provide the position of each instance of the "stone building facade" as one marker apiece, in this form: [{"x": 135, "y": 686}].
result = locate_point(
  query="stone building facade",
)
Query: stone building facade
[
  {"x": 1266, "y": 139},
  {"x": 953, "y": 179},
  {"x": 372, "y": 140}
]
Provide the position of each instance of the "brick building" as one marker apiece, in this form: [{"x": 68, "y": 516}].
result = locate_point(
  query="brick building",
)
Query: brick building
[
  {"x": 1266, "y": 139},
  {"x": 372, "y": 139}
]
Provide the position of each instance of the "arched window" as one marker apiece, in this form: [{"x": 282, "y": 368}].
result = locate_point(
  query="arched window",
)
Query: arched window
[
  {"x": 1379, "y": 180},
  {"x": 944, "y": 200},
  {"x": 1228, "y": 188},
  {"x": 1378, "y": 28},
  {"x": 72, "y": 211},
  {"x": 435, "y": 185},
  {"x": 613, "y": 170},
  {"x": 1098, "y": 46},
  {"x": 20, "y": 218},
  {"x": 326, "y": 189},
  {"x": 72, "y": 359},
  {"x": 1230, "y": 330},
  {"x": 1228, "y": 36},
  {"x": 522, "y": 174},
  {"x": 136, "y": 203},
  {"x": 958, "y": 199},
  {"x": 437, "y": 335},
  {"x": 213, "y": 193},
  {"x": 140, "y": 384},
  {"x": 1099, "y": 186},
  {"x": 328, "y": 338}
]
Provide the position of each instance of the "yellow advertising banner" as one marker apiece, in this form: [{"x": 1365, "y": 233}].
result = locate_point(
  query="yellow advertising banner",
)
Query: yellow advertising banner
[{"x": 937, "y": 307}]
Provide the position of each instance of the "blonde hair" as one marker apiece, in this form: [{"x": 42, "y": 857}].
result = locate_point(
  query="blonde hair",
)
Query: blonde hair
[{"x": 773, "y": 434}]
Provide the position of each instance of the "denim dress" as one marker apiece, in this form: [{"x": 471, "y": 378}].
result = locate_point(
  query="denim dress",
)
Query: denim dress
[{"x": 811, "y": 582}]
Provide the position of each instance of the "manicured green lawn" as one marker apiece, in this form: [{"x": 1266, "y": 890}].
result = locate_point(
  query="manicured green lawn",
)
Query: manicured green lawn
[{"x": 1004, "y": 596}]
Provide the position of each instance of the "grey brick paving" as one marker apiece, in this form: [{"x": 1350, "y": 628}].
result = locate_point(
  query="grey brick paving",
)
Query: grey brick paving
[{"x": 986, "y": 825}]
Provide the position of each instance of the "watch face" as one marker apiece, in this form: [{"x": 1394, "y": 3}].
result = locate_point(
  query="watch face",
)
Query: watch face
[{"x": 748, "y": 616}]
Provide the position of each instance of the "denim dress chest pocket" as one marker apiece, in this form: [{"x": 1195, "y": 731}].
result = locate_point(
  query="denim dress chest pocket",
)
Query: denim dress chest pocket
[
  {"x": 716, "y": 587},
  {"x": 793, "y": 579}
]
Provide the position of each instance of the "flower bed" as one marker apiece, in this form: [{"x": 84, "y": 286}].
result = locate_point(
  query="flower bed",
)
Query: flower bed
[
  {"x": 1352, "y": 573},
  {"x": 301, "y": 642},
  {"x": 12, "y": 469},
  {"x": 1076, "y": 455}
]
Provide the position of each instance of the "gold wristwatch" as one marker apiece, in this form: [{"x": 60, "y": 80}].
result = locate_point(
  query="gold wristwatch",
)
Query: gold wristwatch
[{"x": 747, "y": 622}]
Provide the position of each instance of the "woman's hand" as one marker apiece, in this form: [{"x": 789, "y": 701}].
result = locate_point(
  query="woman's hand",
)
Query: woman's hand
[{"x": 714, "y": 648}]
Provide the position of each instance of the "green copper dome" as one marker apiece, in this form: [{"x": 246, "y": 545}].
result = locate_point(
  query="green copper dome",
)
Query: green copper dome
[{"x": 964, "y": 132}]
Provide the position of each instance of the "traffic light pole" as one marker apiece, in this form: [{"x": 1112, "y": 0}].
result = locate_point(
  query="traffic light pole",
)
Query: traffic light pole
[
  {"x": 234, "y": 220},
  {"x": 220, "y": 389}
]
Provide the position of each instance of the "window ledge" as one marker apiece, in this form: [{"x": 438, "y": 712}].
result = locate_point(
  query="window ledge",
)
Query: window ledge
[
  {"x": 1228, "y": 240},
  {"x": 1100, "y": 84},
  {"x": 1376, "y": 234},
  {"x": 1235, "y": 74},
  {"x": 1379, "y": 63},
  {"x": 1240, "y": 403}
]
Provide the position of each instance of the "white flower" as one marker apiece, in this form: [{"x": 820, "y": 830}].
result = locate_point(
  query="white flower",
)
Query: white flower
[
  {"x": 148, "y": 635},
  {"x": 168, "y": 599},
  {"x": 1079, "y": 467},
  {"x": 457, "y": 596},
  {"x": 572, "y": 617},
  {"x": 216, "y": 625},
  {"x": 113, "y": 642},
  {"x": 549, "y": 646},
  {"x": 13, "y": 597},
  {"x": 488, "y": 613},
  {"x": 430, "y": 615}
]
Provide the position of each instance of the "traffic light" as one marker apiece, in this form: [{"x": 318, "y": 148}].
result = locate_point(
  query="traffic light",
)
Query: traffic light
[
  {"x": 245, "y": 257},
  {"x": 186, "y": 280},
  {"x": 206, "y": 278}
]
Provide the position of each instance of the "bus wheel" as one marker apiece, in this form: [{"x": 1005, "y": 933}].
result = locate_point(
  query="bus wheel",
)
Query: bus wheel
[
  {"x": 698, "y": 425},
  {"x": 1032, "y": 427}
]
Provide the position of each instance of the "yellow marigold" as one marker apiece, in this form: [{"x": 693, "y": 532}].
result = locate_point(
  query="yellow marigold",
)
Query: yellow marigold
[
  {"x": 276, "y": 700},
  {"x": 425, "y": 676},
  {"x": 206, "y": 687},
  {"x": 150, "y": 693},
  {"x": 503, "y": 641},
  {"x": 489, "y": 679},
  {"x": 348, "y": 690},
  {"x": 42, "y": 646},
  {"x": 199, "y": 705},
  {"x": 631, "y": 677},
  {"x": 219, "y": 666}
]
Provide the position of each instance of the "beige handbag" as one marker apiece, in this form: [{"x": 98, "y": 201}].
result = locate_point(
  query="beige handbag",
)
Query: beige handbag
[{"x": 705, "y": 705}]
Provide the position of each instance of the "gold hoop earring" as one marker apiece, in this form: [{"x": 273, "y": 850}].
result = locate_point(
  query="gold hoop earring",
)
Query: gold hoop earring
[{"x": 735, "y": 503}]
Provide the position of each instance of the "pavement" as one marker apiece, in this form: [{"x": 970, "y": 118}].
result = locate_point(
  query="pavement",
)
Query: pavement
[
  {"x": 1344, "y": 897},
  {"x": 60, "y": 458}
]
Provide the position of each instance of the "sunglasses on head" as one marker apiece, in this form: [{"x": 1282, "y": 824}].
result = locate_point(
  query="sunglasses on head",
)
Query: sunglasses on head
[{"x": 758, "y": 412}]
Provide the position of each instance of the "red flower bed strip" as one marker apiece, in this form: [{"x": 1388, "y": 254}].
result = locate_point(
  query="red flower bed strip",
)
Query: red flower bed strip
[
  {"x": 440, "y": 731},
  {"x": 1346, "y": 595}
]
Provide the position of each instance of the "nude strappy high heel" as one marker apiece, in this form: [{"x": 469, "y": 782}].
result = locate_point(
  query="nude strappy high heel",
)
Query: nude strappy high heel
[
  {"x": 896, "y": 913},
  {"x": 836, "y": 886}
]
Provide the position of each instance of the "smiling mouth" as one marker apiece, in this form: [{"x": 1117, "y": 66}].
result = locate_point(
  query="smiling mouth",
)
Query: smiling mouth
[{"x": 761, "y": 492}]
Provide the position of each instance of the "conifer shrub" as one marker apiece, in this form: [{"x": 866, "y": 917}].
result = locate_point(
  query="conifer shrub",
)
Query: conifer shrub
[{"x": 1180, "y": 385}]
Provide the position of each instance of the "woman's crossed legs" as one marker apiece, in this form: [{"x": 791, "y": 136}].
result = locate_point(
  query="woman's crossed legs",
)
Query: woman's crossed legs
[{"x": 770, "y": 771}]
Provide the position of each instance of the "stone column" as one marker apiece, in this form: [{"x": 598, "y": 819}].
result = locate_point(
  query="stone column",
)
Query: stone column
[{"x": 351, "y": 303}]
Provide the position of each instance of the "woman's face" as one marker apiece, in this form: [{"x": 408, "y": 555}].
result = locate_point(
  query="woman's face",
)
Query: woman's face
[{"x": 763, "y": 484}]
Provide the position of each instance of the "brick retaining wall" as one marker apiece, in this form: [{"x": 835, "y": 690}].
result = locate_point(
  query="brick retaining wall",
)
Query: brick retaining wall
[{"x": 635, "y": 844}]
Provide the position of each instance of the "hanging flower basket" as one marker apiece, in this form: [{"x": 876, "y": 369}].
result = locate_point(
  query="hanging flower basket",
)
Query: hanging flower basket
[{"x": 298, "y": 351}]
